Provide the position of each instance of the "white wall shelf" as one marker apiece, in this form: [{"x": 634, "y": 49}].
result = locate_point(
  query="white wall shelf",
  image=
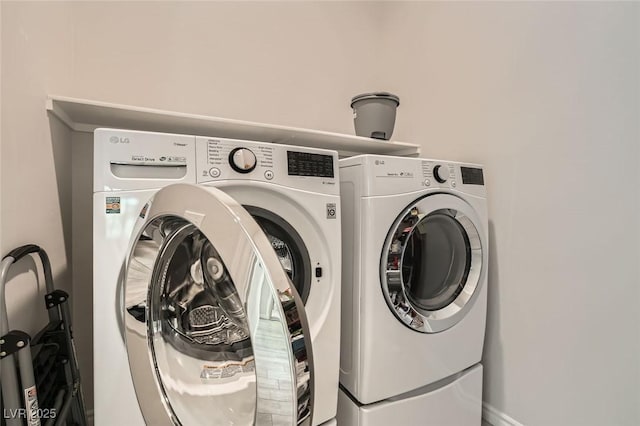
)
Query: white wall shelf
[{"x": 83, "y": 115}]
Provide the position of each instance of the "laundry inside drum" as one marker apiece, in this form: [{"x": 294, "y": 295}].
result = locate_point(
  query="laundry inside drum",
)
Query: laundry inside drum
[
  {"x": 284, "y": 255},
  {"x": 201, "y": 313},
  {"x": 289, "y": 247}
]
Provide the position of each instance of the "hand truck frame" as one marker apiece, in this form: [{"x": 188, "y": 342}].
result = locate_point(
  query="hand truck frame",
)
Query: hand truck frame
[{"x": 48, "y": 385}]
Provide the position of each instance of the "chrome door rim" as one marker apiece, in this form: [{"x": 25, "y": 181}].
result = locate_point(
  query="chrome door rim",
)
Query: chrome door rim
[
  {"x": 438, "y": 320},
  {"x": 237, "y": 237}
]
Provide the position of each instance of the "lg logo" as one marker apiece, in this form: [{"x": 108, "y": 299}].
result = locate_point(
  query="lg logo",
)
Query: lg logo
[{"x": 116, "y": 139}]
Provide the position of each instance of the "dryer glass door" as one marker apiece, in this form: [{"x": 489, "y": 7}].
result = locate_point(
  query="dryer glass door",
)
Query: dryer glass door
[
  {"x": 214, "y": 328},
  {"x": 433, "y": 262}
]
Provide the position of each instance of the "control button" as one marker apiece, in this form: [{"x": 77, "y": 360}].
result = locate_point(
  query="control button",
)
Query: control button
[
  {"x": 214, "y": 172},
  {"x": 441, "y": 173},
  {"x": 331, "y": 210},
  {"x": 242, "y": 160},
  {"x": 318, "y": 272},
  {"x": 453, "y": 183},
  {"x": 268, "y": 174},
  {"x": 427, "y": 182}
]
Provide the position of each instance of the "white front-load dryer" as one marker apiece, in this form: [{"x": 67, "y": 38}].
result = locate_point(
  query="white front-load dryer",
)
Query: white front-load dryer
[
  {"x": 414, "y": 291},
  {"x": 216, "y": 281}
]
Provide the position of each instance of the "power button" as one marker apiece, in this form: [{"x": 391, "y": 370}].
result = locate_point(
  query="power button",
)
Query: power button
[{"x": 214, "y": 172}]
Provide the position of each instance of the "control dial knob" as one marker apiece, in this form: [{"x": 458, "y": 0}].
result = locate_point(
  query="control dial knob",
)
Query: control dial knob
[
  {"x": 441, "y": 173},
  {"x": 242, "y": 160}
]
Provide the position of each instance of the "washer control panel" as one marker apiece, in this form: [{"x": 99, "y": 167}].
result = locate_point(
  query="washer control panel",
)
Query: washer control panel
[
  {"x": 309, "y": 164},
  {"x": 221, "y": 159},
  {"x": 242, "y": 160},
  {"x": 227, "y": 158}
]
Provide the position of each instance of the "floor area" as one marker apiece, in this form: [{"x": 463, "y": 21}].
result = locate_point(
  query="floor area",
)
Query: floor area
[{"x": 275, "y": 403}]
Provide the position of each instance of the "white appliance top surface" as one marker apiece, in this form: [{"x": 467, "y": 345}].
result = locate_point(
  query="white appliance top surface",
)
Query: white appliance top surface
[{"x": 133, "y": 160}]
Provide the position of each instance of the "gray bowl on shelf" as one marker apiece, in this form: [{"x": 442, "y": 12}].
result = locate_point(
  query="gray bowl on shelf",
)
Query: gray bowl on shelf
[{"x": 374, "y": 114}]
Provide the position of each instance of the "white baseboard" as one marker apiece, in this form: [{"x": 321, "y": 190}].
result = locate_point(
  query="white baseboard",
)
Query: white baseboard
[{"x": 496, "y": 417}]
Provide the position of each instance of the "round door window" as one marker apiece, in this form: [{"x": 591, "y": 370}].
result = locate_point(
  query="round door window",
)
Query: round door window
[
  {"x": 207, "y": 307},
  {"x": 431, "y": 267},
  {"x": 436, "y": 259},
  {"x": 198, "y": 335},
  {"x": 195, "y": 300}
]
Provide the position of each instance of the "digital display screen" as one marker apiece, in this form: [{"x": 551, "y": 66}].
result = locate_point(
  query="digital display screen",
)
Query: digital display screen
[
  {"x": 307, "y": 164},
  {"x": 472, "y": 176}
]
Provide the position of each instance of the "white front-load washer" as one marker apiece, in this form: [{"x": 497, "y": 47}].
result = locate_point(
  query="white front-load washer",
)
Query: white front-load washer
[
  {"x": 216, "y": 281},
  {"x": 414, "y": 291}
]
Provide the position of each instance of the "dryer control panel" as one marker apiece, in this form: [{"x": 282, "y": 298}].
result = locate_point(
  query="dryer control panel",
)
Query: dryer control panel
[
  {"x": 310, "y": 169},
  {"x": 386, "y": 175}
]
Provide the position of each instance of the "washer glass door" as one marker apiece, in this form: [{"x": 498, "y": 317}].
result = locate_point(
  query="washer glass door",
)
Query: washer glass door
[
  {"x": 432, "y": 262},
  {"x": 213, "y": 325}
]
